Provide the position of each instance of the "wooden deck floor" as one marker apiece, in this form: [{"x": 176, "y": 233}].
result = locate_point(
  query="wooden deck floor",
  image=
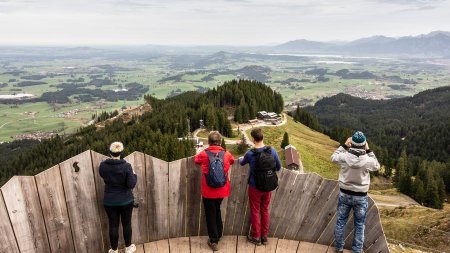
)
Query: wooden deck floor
[{"x": 231, "y": 244}]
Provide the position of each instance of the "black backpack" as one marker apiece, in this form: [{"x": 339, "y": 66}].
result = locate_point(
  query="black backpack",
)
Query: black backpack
[
  {"x": 265, "y": 175},
  {"x": 216, "y": 177}
]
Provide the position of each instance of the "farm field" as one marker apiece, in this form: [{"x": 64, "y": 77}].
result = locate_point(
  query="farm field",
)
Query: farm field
[{"x": 88, "y": 83}]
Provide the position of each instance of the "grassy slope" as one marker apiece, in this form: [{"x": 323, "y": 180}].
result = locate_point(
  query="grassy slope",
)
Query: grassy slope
[
  {"x": 398, "y": 223},
  {"x": 315, "y": 148},
  {"x": 418, "y": 225}
]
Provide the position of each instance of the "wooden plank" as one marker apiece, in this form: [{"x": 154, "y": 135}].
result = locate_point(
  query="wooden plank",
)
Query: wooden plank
[
  {"x": 7, "y": 239},
  {"x": 280, "y": 202},
  {"x": 233, "y": 201},
  {"x": 227, "y": 244},
  {"x": 320, "y": 212},
  {"x": 177, "y": 198},
  {"x": 139, "y": 218},
  {"x": 270, "y": 247},
  {"x": 157, "y": 173},
  {"x": 310, "y": 187},
  {"x": 295, "y": 196},
  {"x": 180, "y": 244},
  {"x": 199, "y": 244},
  {"x": 161, "y": 246},
  {"x": 97, "y": 158},
  {"x": 332, "y": 249},
  {"x": 287, "y": 246},
  {"x": 140, "y": 248},
  {"x": 56, "y": 216},
  {"x": 79, "y": 187},
  {"x": 379, "y": 246},
  {"x": 318, "y": 248},
  {"x": 242, "y": 201},
  {"x": 25, "y": 213},
  {"x": 194, "y": 197},
  {"x": 243, "y": 246},
  {"x": 305, "y": 247}
]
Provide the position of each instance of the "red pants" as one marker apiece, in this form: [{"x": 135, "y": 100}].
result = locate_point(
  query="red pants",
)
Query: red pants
[{"x": 259, "y": 211}]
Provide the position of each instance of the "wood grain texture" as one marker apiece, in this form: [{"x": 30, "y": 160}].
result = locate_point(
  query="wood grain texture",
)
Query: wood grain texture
[
  {"x": 270, "y": 247},
  {"x": 81, "y": 198},
  {"x": 242, "y": 209},
  {"x": 228, "y": 244},
  {"x": 161, "y": 246},
  {"x": 199, "y": 244},
  {"x": 194, "y": 196},
  {"x": 234, "y": 202},
  {"x": 56, "y": 216},
  {"x": 243, "y": 246},
  {"x": 287, "y": 246},
  {"x": 177, "y": 198},
  {"x": 280, "y": 202},
  {"x": 97, "y": 158},
  {"x": 25, "y": 213},
  {"x": 8, "y": 241},
  {"x": 157, "y": 173},
  {"x": 180, "y": 244},
  {"x": 139, "y": 218}
]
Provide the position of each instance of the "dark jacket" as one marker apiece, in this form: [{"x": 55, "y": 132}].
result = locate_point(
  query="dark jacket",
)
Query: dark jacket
[
  {"x": 250, "y": 158},
  {"x": 119, "y": 181}
]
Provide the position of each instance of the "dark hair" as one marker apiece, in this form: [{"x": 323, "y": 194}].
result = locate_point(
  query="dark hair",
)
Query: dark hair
[
  {"x": 214, "y": 138},
  {"x": 257, "y": 134}
]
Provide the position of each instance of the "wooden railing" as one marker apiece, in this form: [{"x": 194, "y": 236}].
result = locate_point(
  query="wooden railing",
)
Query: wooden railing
[{"x": 60, "y": 209}]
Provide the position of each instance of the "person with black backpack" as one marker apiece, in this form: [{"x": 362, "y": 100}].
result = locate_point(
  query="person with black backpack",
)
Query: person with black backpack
[
  {"x": 215, "y": 162},
  {"x": 264, "y": 163}
]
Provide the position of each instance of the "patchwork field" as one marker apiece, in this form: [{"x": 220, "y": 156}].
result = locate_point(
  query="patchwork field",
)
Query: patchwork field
[{"x": 90, "y": 82}]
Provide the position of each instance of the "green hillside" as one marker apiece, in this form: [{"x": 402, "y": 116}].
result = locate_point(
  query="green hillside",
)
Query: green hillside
[{"x": 315, "y": 148}]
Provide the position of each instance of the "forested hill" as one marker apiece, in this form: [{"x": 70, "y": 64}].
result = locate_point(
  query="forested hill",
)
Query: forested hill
[
  {"x": 411, "y": 136},
  {"x": 155, "y": 133},
  {"x": 419, "y": 124}
]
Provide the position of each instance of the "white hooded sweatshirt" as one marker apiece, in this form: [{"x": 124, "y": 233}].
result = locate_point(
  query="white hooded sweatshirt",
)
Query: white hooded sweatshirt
[{"x": 354, "y": 175}]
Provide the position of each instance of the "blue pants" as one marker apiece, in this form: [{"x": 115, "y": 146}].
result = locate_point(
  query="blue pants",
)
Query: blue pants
[{"x": 359, "y": 205}]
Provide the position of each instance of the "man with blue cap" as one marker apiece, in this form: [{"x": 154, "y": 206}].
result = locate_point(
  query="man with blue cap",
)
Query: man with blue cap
[{"x": 356, "y": 161}]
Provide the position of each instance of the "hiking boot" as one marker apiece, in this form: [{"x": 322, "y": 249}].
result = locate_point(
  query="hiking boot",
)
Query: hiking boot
[
  {"x": 339, "y": 251},
  {"x": 264, "y": 240},
  {"x": 113, "y": 251},
  {"x": 213, "y": 245},
  {"x": 253, "y": 240},
  {"x": 130, "y": 249}
]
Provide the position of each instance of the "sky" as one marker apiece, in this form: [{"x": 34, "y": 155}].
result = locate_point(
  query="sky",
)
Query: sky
[{"x": 213, "y": 22}]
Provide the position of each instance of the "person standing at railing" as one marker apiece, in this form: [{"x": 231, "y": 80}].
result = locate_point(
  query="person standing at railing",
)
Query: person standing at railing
[
  {"x": 120, "y": 179},
  {"x": 356, "y": 161},
  {"x": 264, "y": 162},
  {"x": 215, "y": 162}
]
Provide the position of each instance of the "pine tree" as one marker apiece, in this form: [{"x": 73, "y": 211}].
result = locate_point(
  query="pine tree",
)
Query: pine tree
[
  {"x": 242, "y": 146},
  {"x": 285, "y": 140}
]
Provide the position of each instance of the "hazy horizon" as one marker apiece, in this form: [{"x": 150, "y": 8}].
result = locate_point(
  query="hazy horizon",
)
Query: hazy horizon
[{"x": 213, "y": 22}]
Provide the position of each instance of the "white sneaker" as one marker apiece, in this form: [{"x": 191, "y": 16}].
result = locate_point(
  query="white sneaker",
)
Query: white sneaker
[
  {"x": 130, "y": 249},
  {"x": 113, "y": 251}
]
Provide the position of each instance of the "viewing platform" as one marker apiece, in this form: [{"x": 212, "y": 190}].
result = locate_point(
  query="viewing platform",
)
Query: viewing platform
[{"x": 61, "y": 210}]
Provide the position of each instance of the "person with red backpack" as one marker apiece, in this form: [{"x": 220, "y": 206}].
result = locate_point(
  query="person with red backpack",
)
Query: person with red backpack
[
  {"x": 215, "y": 162},
  {"x": 264, "y": 162}
]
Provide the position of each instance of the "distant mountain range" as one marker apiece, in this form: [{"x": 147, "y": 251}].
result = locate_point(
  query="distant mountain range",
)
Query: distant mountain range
[{"x": 433, "y": 44}]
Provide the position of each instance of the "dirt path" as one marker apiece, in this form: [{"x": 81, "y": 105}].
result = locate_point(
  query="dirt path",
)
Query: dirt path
[
  {"x": 4, "y": 125},
  {"x": 392, "y": 200}
]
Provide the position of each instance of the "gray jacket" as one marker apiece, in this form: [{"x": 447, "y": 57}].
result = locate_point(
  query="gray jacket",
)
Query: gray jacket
[{"x": 354, "y": 175}]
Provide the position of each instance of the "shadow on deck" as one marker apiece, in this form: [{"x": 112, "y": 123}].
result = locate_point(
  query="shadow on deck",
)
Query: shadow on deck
[{"x": 60, "y": 210}]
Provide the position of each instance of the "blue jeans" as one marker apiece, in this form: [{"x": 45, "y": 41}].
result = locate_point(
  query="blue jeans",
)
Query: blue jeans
[{"x": 359, "y": 205}]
